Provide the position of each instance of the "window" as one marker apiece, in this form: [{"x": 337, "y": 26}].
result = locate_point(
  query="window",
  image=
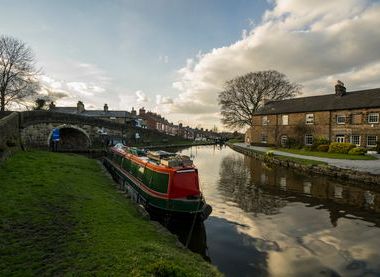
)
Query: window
[
  {"x": 285, "y": 119},
  {"x": 355, "y": 139},
  {"x": 340, "y": 119},
  {"x": 264, "y": 138},
  {"x": 339, "y": 138},
  {"x": 371, "y": 141},
  {"x": 373, "y": 118},
  {"x": 284, "y": 140},
  {"x": 308, "y": 139},
  {"x": 264, "y": 120},
  {"x": 309, "y": 118}
]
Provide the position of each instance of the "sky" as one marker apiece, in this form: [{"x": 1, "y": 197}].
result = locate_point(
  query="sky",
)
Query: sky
[{"x": 174, "y": 56}]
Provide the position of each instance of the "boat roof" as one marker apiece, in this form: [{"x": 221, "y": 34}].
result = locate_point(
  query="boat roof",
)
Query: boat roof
[{"x": 126, "y": 151}]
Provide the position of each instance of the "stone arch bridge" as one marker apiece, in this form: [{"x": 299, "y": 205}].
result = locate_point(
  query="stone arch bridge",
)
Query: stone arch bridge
[{"x": 77, "y": 132}]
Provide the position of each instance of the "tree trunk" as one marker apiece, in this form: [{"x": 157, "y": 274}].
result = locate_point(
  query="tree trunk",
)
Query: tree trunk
[{"x": 2, "y": 104}]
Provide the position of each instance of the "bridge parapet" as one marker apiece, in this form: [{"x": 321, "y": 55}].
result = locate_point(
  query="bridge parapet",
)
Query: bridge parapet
[{"x": 34, "y": 117}]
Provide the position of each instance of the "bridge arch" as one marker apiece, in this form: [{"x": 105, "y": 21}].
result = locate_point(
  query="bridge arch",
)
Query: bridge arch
[{"x": 71, "y": 138}]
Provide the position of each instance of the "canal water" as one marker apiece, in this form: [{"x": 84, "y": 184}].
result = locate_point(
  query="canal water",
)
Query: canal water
[{"x": 272, "y": 221}]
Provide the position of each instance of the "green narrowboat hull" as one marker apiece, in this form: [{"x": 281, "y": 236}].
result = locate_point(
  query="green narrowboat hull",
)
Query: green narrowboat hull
[{"x": 157, "y": 203}]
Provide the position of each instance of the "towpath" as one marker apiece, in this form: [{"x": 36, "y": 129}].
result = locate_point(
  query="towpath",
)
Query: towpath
[{"x": 371, "y": 166}]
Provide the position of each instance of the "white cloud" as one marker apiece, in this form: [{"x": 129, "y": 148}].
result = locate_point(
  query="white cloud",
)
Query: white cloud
[
  {"x": 312, "y": 42},
  {"x": 163, "y": 100},
  {"x": 141, "y": 96}
]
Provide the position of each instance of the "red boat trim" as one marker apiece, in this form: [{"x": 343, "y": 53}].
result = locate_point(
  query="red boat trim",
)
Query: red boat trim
[{"x": 142, "y": 185}]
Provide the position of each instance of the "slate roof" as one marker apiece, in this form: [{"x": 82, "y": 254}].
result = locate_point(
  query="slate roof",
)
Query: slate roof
[
  {"x": 351, "y": 100},
  {"x": 93, "y": 113}
]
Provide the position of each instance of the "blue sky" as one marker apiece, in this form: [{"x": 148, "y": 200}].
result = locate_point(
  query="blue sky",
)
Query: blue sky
[{"x": 172, "y": 56}]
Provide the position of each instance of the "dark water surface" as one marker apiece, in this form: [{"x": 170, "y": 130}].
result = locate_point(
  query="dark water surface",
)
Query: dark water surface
[{"x": 270, "y": 221}]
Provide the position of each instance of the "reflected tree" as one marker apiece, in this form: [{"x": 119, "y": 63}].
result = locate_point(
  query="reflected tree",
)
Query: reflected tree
[{"x": 236, "y": 185}]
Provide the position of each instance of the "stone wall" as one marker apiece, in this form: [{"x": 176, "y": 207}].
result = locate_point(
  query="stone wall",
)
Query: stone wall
[
  {"x": 356, "y": 177},
  {"x": 9, "y": 134}
]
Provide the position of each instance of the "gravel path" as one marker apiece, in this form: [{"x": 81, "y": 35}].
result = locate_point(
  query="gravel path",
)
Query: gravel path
[{"x": 372, "y": 166}]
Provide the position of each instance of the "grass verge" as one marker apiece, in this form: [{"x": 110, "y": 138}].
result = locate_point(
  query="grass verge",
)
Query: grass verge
[
  {"x": 326, "y": 154},
  {"x": 61, "y": 215},
  {"x": 300, "y": 161}
]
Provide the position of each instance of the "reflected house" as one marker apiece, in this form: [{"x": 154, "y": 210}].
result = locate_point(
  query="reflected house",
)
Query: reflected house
[
  {"x": 334, "y": 196},
  {"x": 369, "y": 198},
  {"x": 338, "y": 191},
  {"x": 307, "y": 187},
  {"x": 342, "y": 117}
]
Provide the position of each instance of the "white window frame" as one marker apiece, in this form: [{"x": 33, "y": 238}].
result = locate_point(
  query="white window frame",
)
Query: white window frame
[
  {"x": 340, "y": 138},
  {"x": 283, "y": 140},
  {"x": 307, "y": 137},
  {"x": 371, "y": 117},
  {"x": 340, "y": 117},
  {"x": 309, "y": 118},
  {"x": 264, "y": 138},
  {"x": 371, "y": 145},
  {"x": 285, "y": 119},
  {"x": 353, "y": 140},
  {"x": 264, "y": 120}
]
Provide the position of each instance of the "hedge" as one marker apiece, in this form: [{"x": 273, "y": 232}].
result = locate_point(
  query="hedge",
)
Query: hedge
[
  {"x": 357, "y": 151},
  {"x": 341, "y": 147}
]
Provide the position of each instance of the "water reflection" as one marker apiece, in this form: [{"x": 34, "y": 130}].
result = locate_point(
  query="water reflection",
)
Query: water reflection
[
  {"x": 274, "y": 221},
  {"x": 321, "y": 191},
  {"x": 236, "y": 184}
]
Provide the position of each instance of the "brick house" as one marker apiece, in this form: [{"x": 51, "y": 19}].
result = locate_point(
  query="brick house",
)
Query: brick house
[{"x": 341, "y": 117}]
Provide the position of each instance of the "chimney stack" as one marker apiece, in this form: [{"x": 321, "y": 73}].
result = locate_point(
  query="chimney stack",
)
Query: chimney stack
[
  {"x": 51, "y": 105},
  {"x": 142, "y": 111},
  {"x": 105, "y": 108},
  {"x": 133, "y": 111},
  {"x": 340, "y": 89},
  {"x": 80, "y": 107}
]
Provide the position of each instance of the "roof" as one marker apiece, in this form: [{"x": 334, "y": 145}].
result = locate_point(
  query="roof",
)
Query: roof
[
  {"x": 94, "y": 113},
  {"x": 351, "y": 100}
]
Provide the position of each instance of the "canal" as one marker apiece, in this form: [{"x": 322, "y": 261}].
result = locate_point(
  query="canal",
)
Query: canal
[{"x": 270, "y": 221}]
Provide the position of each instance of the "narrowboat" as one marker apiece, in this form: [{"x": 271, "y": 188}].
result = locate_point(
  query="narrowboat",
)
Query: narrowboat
[{"x": 164, "y": 183}]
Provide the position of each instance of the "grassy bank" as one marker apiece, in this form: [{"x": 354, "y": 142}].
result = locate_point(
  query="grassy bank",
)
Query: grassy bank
[
  {"x": 326, "y": 154},
  {"x": 60, "y": 214}
]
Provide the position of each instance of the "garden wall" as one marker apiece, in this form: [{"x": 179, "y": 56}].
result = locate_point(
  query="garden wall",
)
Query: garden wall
[{"x": 327, "y": 170}]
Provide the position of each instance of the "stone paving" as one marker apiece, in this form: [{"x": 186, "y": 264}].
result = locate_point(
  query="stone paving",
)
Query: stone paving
[{"x": 372, "y": 166}]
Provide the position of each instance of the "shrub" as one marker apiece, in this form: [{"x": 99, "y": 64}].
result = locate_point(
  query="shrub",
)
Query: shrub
[
  {"x": 341, "y": 147},
  {"x": 293, "y": 143},
  {"x": 269, "y": 153},
  {"x": 323, "y": 148},
  {"x": 307, "y": 148},
  {"x": 357, "y": 151},
  {"x": 320, "y": 141}
]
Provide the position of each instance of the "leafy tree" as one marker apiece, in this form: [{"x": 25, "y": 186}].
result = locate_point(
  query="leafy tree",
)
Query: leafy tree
[
  {"x": 244, "y": 95},
  {"x": 17, "y": 72},
  {"x": 40, "y": 104}
]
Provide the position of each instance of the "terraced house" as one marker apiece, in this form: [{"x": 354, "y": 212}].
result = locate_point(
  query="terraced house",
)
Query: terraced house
[{"x": 343, "y": 117}]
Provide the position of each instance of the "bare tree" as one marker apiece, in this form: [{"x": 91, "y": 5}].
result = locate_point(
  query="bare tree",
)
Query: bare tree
[
  {"x": 244, "y": 95},
  {"x": 17, "y": 72}
]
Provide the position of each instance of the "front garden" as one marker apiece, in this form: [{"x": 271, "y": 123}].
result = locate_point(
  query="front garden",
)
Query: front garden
[{"x": 321, "y": 147}]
